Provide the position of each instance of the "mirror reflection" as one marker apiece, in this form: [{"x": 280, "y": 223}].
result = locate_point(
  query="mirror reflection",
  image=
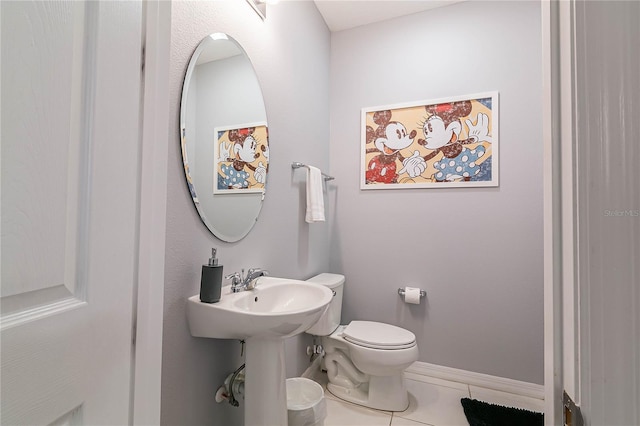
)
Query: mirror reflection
[{"x": 225, "y": 141}]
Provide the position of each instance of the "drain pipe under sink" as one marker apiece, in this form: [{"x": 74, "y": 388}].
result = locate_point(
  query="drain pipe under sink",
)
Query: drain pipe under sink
[{"x": 232, "y": 388}]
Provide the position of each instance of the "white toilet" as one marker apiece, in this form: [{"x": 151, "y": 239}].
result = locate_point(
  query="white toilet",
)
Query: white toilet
[{"x": 364, "y": 359}]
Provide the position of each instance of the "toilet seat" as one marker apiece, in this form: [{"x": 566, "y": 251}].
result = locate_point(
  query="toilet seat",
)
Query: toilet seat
[{"x": 377, "y": 335}]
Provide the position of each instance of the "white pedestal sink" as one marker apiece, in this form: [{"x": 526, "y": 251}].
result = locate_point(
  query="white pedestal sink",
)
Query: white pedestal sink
[{"x": 263, "y": 317}]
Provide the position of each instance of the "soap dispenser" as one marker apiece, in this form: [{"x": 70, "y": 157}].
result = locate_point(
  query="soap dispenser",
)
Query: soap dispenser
[{"x": 211, "y": 280}]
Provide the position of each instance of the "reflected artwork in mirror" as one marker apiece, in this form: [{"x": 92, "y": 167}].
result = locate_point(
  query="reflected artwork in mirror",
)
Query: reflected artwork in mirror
[{"x": 224, "y": 137}]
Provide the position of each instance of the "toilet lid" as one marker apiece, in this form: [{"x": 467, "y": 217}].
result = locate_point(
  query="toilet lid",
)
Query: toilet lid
[{"x": 378, "y": 335}]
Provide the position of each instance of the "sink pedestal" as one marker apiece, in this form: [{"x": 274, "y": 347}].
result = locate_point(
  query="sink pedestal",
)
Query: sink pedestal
[
  {"x": 276, "y": 309},
  {"x": 265, "y": 387}
]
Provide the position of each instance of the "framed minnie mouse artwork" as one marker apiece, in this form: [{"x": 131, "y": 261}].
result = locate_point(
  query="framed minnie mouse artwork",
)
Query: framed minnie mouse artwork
[
  {"x": 439, "y": 143},
  {"x": 241, "y": 157}
]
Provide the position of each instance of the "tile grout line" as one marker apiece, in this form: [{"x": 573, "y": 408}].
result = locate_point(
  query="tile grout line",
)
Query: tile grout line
[{"x": 437, "y": 382}]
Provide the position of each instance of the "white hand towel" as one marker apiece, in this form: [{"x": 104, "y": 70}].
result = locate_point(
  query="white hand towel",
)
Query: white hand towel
[{"x": 315, "y": 199}]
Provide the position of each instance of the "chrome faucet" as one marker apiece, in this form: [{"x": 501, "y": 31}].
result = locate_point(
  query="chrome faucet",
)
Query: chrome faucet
[{"x": 241, "y": 283}]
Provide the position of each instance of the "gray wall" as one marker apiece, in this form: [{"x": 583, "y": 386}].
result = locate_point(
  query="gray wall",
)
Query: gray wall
[
  {"x": 477, "y": 252},
  {"x": 295, "y": 81}
]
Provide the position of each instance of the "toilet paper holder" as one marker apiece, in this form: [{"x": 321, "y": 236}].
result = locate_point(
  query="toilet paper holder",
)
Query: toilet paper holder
[{"x": 401, "y": 292}]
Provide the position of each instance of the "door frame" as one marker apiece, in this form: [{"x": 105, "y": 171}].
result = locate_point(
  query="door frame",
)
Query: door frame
[
  {"x": 561, "y": 299},
  {"x": 154, "y": 143},
  {"x": 561, "y": 295}
]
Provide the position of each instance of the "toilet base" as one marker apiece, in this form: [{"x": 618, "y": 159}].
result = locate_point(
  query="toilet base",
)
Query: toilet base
[{"x": 387, "y": 393}]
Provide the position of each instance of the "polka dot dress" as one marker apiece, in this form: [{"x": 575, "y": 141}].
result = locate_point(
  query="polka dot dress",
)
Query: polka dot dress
[
  {"x": 460, "y": 167},
  {"x": 235, "y": 179}
]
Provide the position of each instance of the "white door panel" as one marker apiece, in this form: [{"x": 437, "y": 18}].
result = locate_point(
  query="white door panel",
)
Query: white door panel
[
  {"x": 70, "y": 183},
  {"x": 607, "y": 80},
  {"x": 592, "y": 303},
  {"x": 40, "y": 163}
]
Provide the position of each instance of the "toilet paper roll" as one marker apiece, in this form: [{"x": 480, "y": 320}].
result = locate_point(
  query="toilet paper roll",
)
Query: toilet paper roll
[{"x": 412, "y": 295}]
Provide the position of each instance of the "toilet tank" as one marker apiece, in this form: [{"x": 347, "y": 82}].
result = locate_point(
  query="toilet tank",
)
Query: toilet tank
[{"x": 331, "y": 318}]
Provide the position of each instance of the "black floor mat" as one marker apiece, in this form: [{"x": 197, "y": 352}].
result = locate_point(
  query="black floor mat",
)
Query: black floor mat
[{"x": 484, "y": 414}]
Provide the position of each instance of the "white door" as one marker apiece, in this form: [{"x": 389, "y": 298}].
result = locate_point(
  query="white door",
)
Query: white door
[
  {"x": 592, "y": 298},
  {"x": 607, "y": 210},
  {"x": 71, "y": 75}
]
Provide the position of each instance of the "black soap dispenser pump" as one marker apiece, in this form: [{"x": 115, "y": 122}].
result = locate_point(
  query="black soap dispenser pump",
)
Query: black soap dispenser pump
[{"x": 211, "y": 280}]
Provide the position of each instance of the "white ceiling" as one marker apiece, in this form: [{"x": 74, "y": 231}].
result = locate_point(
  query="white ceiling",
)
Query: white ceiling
[
  {"x": 344, "y": 14},
  {"x": 224, "y": 49}
]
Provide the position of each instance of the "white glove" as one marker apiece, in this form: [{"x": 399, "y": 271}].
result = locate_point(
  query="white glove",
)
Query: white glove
[
  {"x": 414, "y": 165},
  {"x": 224, "y": 152},
  {"x": 260, "y": 174},
  {"x": 480, "y": 130}
]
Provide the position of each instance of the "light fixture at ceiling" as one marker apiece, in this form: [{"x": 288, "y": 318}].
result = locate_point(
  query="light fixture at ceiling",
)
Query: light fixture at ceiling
[
  {"x": 219, "y": 36},
  {"x": 260, "y": 6}
]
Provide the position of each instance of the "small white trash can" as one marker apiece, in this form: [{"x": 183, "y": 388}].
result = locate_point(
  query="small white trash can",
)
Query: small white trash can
[{"x": 305, "y": 402}]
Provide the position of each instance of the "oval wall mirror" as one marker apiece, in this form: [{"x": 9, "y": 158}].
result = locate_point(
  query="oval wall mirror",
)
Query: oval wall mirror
[{"x": 224, "y": 137}]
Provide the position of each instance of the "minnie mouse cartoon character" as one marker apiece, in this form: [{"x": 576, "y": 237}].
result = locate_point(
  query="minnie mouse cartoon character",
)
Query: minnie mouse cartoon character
[
  {"x": 442, "y": 131},
  {"x": 241, "y": 153}
]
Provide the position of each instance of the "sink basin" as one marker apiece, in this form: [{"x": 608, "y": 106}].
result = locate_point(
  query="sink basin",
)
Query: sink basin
[{"x": 276, "y": 308}]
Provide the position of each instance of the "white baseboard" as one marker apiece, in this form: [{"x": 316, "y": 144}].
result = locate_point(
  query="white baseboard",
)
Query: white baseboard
[{"x": 471, "y": 378}]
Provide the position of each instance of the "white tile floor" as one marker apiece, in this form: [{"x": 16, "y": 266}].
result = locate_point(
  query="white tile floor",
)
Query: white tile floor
[{"x": 432, "y": 401}]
